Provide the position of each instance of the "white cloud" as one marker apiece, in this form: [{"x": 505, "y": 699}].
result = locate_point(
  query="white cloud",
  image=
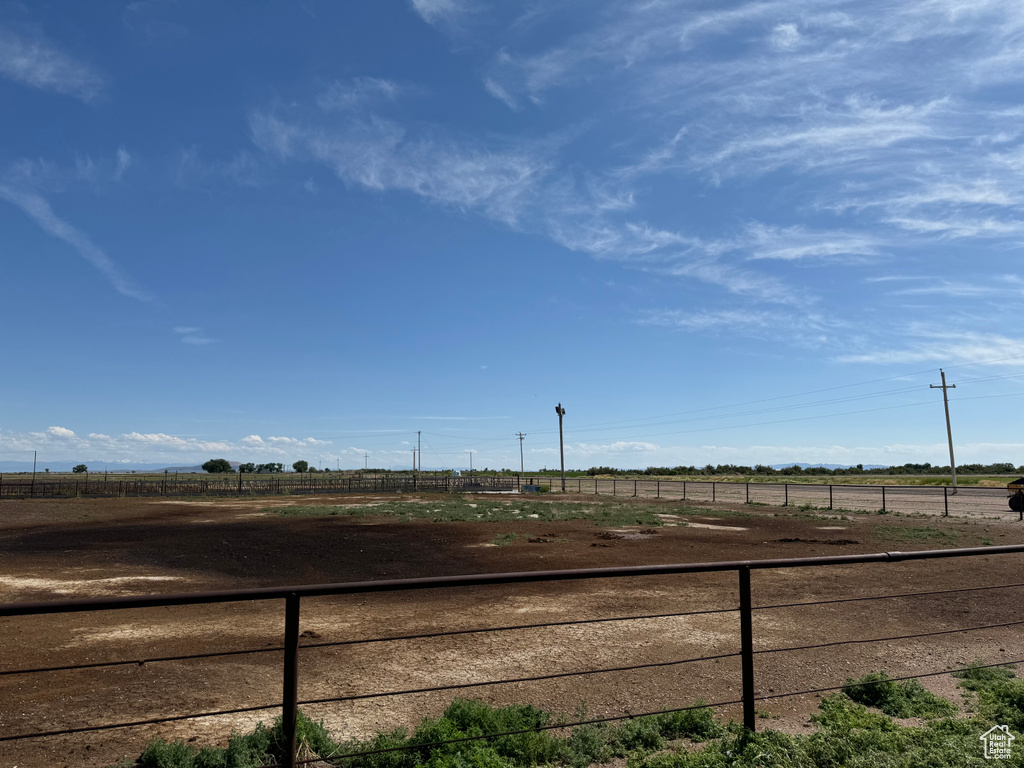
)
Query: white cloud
[
  {"x": 785, "y": 37},
  {"x": 501, "y": 94},
  {"x": 189, "y": 169},
  {"x": 438, "y": 11},
  {"x": 356, "y": 93},
  {"x": 945, "y": 348},
  {"x": 764, "y": 241},
  {"x": 36, "y": 62},
  {"x": 41, "y": 212},
  {"x": 124, "y": 160},
  {"x": 63, "y": 444},
  {"x": 377, "y": 154},
  {"x": 192, "y": 335}
]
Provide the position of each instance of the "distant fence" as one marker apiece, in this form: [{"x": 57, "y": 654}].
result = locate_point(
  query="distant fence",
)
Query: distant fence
[
  {"x": 20, "y": 487},
  {"x": 289, "y": 702},
  {"x": 906, "y": 499}
]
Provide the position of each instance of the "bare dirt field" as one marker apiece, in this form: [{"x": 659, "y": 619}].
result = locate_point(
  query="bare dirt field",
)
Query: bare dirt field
[{"x": 53, "y": 549}]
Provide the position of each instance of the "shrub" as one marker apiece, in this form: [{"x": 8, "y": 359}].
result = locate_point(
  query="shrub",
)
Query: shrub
[
  {"x": 978, "y": 676},
  {"x": 900, "y": 699},
  {"x": 694, "y": 724}
]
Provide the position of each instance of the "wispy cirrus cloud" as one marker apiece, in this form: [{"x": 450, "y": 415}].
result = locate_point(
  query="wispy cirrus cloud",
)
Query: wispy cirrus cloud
[
  {"x": 189, "y": 169},
  {"x": 39, "y": 210},
  {"x": 379, "y": 154},
  {"x": 193, "y": 335},
  {"x": 944, "y": 347},
  {"x": 357, "y": 92},
  {"x": 34, "y": 61},
  {"x": 439, "y": 12}
]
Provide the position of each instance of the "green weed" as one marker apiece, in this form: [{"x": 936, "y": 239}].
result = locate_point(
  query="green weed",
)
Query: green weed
[
  {"x": 918, "y": 533},
  {"x": 505, "y": 539},
  {"x": 906, "y": 698},
  {"x": 850, "y": 733}
]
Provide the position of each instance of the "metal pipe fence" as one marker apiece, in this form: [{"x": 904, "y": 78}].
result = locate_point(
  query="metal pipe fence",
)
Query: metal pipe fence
[
  {"x": 19, "y": 487},
  {"x": 293, "y": 596},
  {"x": 903, "y": 499}
]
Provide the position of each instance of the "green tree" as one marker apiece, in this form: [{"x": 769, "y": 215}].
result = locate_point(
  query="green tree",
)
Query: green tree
[
  {"x": 301, "y": 466},
  {"x": 80, "y": 468},
  {"x": 250, "y": 467},
  {"x": 218, "y": 465},
  {"x": 272, "y": 467}
]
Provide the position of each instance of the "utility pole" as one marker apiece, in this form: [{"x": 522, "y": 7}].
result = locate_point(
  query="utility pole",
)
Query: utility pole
[
  {"x": 470, "y": 463},
  {"x": 520, "y": 435},
  {"x": 419, "y": 451},
  {"x": 413, "y": 459},
  {"x": 561, "y": 446},
  {"x": 32, "y": 488},
  {"x": 949, "y": 432},
  {"x": 366, "y": 458}
]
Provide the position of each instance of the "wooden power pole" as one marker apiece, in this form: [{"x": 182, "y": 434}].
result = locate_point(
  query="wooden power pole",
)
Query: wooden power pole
[
  {"x": 561, "y": 449},
  {"x": 520, "y": 435},
  {"x": 949, "y": 432}
]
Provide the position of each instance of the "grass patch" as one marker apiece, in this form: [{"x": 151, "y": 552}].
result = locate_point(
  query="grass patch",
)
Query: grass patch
[
  {"x": 583, "y": 746},
  {"x": 504, "y": 539},
  {"x": 850, "y": 732},
  {"x": 916, "y": 533},
  {"x": 457, "y": 509},
  {"x": 906, "y": 698}
]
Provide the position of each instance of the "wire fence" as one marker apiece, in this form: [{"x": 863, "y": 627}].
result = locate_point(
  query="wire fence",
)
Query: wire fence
[{"x": 743, "y": 650}]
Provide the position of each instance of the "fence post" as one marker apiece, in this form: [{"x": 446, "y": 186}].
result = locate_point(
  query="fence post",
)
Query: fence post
[
  {"x": 290, "y": 704},
  {"x": 945, "y": 500},
  {"x": 748, "y": 493},
  {"x": 747, "y": 650},
  {"x": 883, "y": 498},
  {"x": 786, "y": 486},
  {"x": 659, "y": 489},
  {"x": 614, "y": 482},
  {"x": 713, "y": 484},
  {"x": 830, "y": 496},
  {"x": 595, "y": 487},
  {"x": 684, "y": 490},
  {"x": 634, "y": 489},
  {"x": 239, "y": 481}
]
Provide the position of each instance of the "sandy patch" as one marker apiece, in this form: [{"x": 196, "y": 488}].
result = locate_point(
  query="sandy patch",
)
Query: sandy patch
[
  {"x": 717, "y": 527},
  {"x": 108, "y": 585}
]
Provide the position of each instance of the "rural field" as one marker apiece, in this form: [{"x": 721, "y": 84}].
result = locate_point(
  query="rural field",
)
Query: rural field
[{"x": 70, "y": 548}]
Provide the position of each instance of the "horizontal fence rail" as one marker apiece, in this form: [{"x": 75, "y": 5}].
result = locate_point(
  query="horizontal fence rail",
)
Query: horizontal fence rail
[{"x": 293, "y": 595}]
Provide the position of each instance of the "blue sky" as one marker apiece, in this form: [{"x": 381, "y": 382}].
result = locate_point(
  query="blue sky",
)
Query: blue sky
[{"x": 716, "y": 232}]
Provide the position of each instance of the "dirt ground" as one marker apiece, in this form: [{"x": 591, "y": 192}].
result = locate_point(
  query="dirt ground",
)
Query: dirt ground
[{"x": 53, "y": 549}]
